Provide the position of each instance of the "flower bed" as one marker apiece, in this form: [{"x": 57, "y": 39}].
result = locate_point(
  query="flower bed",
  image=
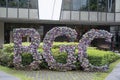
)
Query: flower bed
[{"x": 95, "y": 56}]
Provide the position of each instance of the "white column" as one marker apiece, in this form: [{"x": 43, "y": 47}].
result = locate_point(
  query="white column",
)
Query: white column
[
  {"x": 1, "y": 33},
  {"x": 49, "y": 9},
  {"x": 56, "y": 9}
]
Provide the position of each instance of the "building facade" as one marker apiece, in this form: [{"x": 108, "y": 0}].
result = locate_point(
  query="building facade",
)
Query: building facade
[{"x": 81, "y": 15}]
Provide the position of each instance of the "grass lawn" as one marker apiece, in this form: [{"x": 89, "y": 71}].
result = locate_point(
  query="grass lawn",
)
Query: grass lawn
[
  {"x": 17, "y": 73},
  {"x": 103, "y": 75}
]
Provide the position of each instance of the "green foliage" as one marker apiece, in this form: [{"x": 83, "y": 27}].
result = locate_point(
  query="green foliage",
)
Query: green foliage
[
  {"x": 8, "y": 48},
  {"x": 6, "y": 58},
  {"x": 95, "y": 56},
  {"x": 26, "y": 58},
  {"x": 100, "y": 57},
  {"x": 60, "y": 57},
  {"x": 103, "y": 75}
]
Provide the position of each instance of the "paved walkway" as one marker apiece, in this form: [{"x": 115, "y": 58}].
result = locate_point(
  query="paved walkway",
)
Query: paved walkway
[
  {"x": 51, "y": 75},
  {"x": 115, "y": 74},
  {"x": 5, "y": 76},
  {"x": 56, "y": 75}
]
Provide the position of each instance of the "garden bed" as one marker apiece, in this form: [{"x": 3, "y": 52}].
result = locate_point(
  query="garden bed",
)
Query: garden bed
[{"x": 95, "y": 56}]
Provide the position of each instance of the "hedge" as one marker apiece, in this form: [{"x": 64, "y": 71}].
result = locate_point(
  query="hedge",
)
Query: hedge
[{"x": 95, "y": 56}]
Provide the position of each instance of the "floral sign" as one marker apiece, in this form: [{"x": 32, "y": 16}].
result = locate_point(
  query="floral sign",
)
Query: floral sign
[
  {"x": 85, "y": 42},
  {"x": 32, "y": 48},
  {"x": 48, "y": 43}
]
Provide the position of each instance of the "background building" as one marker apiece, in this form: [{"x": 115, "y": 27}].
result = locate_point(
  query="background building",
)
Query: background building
[{"x": 41, "y": 15}]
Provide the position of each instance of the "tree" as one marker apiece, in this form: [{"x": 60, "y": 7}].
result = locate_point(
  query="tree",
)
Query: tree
[
  {"x": 93, "y": 5},
  {"x": 2, "y": 3}
]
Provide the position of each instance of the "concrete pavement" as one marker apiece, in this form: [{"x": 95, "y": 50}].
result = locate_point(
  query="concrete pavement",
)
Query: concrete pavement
[
  {"x": 69, "y": 75},
  {"x": 50, "y": 75},
  {"x": 56, "y": 75},
  {"x": 115, "y": 74},
  {"x": 5, "y": 76}
]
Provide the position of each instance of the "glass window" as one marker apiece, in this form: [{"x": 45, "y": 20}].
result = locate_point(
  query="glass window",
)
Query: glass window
[
  {"x": 2, "y": 3},
  {"x": 111, "y": 5},
  {"x": 117, "y": 6},
  {"x": 13, "y": 3},
  {"x": 33, "y": 4},
  {"x": 76, "y": 5},
  {"x": 84, "y": 5},
  {"x": 23, "y": 3},
  {"x": 93, "y": 5},
  {"x": 66, "y": 5},
  {"x": 102, "y": 5}
]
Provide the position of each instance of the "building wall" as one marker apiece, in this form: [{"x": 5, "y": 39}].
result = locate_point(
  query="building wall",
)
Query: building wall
[
  {"x": 33, "y": 3},
  {"x": 18, "y": 13},
  {"x": 21, "y": 9},
  {"x": 117, "y": 7},
  {"x": 91, "y": 10},
  {"x": 115, "y": 30},
  {"x": 1, "y": 33},
  {"x": 117, "y": 10},
  {"x": 2, "y": 12},
  {"x": 70, "y": 10}
]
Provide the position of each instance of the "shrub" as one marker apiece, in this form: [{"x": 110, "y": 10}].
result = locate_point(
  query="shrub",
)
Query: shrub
[
  {"x": 26, "y": 58},
  {"x": 100, "y": 57},
  {"x": 8, "y": 48},
  {"x": 95, "y": 56},
  {"x": 6, "y": 59}
]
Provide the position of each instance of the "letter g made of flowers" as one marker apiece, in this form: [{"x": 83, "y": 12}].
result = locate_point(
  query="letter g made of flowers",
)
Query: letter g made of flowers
[
  {"x": 48, "y": 43},
  {"x": 32, "y": 48}
]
